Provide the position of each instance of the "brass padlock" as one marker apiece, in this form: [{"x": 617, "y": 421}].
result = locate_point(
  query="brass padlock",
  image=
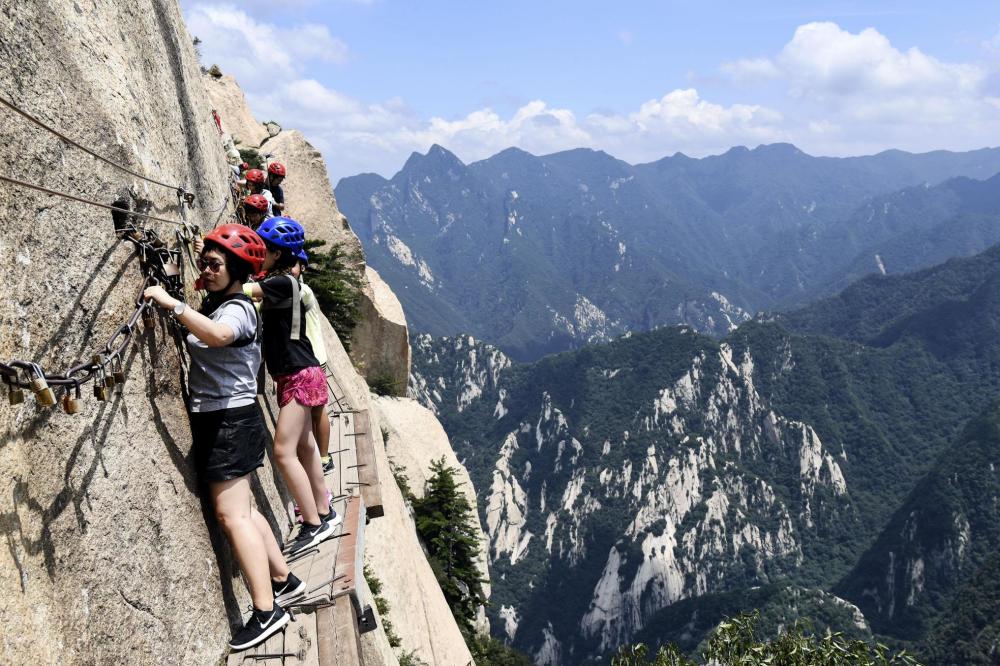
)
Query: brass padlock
[
  {"x": 15, "y": 396},
  {"x": 118, "y": 372},
  {"x": 43, "y": 394},
  {"x": 148, "y": 319},
  {"x": 100, "y": 392},
  {"x": 70, "y": 405},
  {"x": 109, "y": 381}
]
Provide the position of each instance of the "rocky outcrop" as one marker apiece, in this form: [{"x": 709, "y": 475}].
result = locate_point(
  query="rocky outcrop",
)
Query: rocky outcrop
[
  {"x": 380, "y": 344},
  {"x": 228, "y": 101},
  {"x": 309, "y": 195}
]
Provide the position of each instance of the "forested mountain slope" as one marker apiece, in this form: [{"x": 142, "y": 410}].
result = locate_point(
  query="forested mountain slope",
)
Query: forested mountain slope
[{"x": 620, "y": 479}]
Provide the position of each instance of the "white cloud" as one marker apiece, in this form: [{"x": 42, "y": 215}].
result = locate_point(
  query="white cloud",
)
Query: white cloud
[
  {"x": 846, "y": 93},
  {"x": 258, "y": 53}
]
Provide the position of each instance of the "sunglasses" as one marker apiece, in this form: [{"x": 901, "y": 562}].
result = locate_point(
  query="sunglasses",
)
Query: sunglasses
[{"x": 205, "y": 265}]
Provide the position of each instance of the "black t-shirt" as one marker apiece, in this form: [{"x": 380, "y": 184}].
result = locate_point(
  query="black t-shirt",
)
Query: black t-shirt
[
  {"x": 282, "y": 355},
  {"x": 277, "y": 193}
]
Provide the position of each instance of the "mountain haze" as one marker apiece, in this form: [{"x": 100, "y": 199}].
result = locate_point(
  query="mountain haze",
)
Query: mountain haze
[{"x": 543, "y": 254}]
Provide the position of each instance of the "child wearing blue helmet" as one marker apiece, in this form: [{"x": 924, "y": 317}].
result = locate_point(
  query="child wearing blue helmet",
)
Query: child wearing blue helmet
[{"x": 300, "y": 382}]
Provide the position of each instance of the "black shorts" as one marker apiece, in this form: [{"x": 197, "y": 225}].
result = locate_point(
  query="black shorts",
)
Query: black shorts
[{"x": 227, "y": 443}]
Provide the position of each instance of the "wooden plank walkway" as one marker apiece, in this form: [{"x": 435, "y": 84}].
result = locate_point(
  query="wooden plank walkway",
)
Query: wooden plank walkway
[{"x": 325, "y": 625}]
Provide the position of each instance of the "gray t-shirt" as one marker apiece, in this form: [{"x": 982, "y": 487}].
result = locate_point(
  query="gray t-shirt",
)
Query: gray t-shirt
[{"x": 226, "y": 377}]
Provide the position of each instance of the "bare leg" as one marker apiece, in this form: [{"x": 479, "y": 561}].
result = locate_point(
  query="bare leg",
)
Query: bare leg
[
  {"x": 294, "y": 425},
  {"x": 275, "y": 560},
  {"x": 321, "y": 429},
  {"x": 231, "y": 500},
  {"x": 309, "y": 457}
]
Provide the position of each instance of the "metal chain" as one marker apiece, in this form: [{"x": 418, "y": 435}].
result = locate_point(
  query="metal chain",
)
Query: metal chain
[{"x": 159, "y": 266}]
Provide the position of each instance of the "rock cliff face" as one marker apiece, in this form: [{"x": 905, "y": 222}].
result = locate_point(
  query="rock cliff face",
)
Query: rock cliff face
[
  {"x": 108, "y": 559},
  {"x": 110, "y": 556},
  {"x": 417, "y": 440}
]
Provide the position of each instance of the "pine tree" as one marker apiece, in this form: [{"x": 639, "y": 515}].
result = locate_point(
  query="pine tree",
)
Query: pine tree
[
  {"x": 445, "y": 523},
  {"x": 337, "y": 288}
]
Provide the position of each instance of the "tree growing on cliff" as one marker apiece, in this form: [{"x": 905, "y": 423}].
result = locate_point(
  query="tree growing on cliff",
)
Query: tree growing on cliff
[
  {"x": 736, "y": 641},
  {"x": 337, "y": 288},
  {"x": 445, "y": 523}
]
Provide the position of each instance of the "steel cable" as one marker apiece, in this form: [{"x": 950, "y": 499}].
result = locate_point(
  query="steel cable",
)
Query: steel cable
[
  {"x": 116, "y": 165},
  {"x": 72, "y": 197}
]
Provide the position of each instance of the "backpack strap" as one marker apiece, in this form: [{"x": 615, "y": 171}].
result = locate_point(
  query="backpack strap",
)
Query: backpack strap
[
  {"x": 296, "y": 309},
  {"x": 295, "y": 303}
]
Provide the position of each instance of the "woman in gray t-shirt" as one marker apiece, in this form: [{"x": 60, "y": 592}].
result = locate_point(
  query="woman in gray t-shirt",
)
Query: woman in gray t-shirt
[{"x": 228, "y": 435}]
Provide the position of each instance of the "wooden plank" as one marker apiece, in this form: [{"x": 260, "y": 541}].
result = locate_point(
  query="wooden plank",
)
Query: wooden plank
[
  {"x": 301, "y": 639},
  {"x": 367, "y": 468},
  {"x": 337, "y": 630}
]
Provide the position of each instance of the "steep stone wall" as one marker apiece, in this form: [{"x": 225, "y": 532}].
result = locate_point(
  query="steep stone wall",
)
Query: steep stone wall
[
  {"x": 108, "y": 558},
  {"x": 418, "y": 439},
  {"x": 380, "y": 345},
  {"x": 228, "y": 101}
]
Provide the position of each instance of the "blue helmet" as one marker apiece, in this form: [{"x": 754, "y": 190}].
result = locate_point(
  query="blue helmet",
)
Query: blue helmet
[
  {"x": 302, "y": 256},
  {"x": 282, "y": 232}
]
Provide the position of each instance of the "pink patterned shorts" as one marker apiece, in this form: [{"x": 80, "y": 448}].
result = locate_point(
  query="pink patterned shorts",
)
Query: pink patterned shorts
[{"x": 307, "y": 387}]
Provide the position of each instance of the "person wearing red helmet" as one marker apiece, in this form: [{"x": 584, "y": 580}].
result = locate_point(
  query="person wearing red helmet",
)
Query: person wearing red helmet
[
  {"x": 275, "y": 176},
  {"x": 228, "y": 434},
  {"x": 255, "y": 208},
  {"x": 257, "y": 184}
]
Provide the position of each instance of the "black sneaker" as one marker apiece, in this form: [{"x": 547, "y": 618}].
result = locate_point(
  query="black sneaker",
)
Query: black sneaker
[
  {"x": 261, "y": 626},
  {"x": 288, "y": 590},
  {"x": 328, "y": 466},
  {"x": 309, "y": 536},
  {"x": 333, "y": 518}
]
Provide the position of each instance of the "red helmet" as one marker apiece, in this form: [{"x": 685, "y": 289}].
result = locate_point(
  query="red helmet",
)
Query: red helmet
[
  {"x": 277, "y": 168},
  {"x": 242, "y": 242},
  {"x": 256, "y": 176},
  {"x": 256, "y": 201}
]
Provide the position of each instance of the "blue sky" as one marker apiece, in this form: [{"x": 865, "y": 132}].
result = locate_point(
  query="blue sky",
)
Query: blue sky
[{"x": 369, "y": 82}]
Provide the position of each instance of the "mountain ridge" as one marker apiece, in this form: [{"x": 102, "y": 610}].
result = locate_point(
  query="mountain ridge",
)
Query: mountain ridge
[{"x": 546, "y": 253}]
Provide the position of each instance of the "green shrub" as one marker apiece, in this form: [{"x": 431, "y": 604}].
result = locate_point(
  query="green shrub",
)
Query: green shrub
[
  {"x": 250, "y": 155},
  {"x": 446, "y": 524}
]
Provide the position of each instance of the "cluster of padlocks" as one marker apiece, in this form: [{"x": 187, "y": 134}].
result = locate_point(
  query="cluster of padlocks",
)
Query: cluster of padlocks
[{"x": 160, "y": 265}]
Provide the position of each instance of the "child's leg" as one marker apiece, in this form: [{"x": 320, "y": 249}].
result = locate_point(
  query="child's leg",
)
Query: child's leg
[
  {"x": 293, "y": 426},
  {"x": 321, "y": 430},
  {"x": 308, "y": 455}
]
